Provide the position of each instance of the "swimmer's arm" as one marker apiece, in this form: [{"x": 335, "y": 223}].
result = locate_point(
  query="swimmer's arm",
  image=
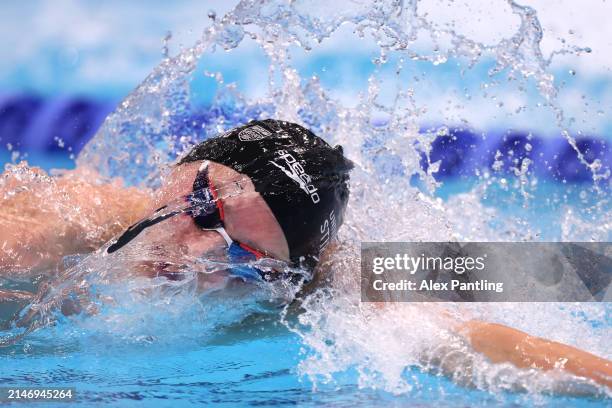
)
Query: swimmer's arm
[
  {"x": 44, "y": 218},
  {"x": 500, "y": 343}
]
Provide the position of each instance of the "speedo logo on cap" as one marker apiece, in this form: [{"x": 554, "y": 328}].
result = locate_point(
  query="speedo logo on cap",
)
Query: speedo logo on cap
[
  {"x": 296, "y": 172},
  {"x": 253, "y": 133}
]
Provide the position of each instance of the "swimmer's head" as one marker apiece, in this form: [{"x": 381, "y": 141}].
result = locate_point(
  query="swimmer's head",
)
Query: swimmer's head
[
  {"x": 269, "y": 188},
  {"x": 302, "y": 179}
]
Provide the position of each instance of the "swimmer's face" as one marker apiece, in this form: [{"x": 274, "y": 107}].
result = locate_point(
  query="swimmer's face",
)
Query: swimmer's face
[{"x": 247, "y": 217}]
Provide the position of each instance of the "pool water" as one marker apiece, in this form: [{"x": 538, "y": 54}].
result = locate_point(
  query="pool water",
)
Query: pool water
[
  {"x": 519, "y": 170},
  {"x": 253, "y": 363}
]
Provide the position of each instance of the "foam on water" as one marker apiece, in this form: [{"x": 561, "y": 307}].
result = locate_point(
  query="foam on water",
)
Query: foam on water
[{"x": 392, "y": 196}]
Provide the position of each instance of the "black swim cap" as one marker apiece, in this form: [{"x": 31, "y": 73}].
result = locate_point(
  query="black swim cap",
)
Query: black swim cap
[{"x": 303, "y": 179}]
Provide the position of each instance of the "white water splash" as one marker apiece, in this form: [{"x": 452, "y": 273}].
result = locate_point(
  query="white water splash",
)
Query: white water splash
[{"x": 380, "y": 132}]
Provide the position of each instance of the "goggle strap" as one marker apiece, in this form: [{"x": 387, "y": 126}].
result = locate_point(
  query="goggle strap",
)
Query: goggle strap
[
  {"x": 251, "y": 250},
  {"x": 134, "y": 230},
  {"x": 225, "y": 236}
]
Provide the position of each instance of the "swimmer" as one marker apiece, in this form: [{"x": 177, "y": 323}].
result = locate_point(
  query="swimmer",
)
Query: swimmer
[{"x": 269, "y": 189}]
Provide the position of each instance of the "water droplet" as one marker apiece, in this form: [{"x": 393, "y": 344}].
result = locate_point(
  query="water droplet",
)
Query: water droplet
[
  {"x": 212, "y": 14},
  {"x": 572, "y": 72},
  {"x": 596, "y": 165},
  {"x": 165, "y": 43}
]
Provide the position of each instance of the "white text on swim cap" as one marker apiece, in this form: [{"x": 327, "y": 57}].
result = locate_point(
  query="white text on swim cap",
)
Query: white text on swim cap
[
  {"x": 328, "y": 230},
  {"x": 296, "y": 173}
]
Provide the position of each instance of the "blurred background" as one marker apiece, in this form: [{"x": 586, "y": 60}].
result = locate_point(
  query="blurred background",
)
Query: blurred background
[{"x": 65, "y": 64}]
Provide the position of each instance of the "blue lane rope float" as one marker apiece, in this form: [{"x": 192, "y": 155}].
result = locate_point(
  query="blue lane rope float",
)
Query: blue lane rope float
[
  {"x": 462, "y": 152},
  {"x": 31, "y": 123}
]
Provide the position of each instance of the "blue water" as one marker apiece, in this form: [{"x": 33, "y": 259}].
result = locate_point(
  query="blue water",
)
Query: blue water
[
  {"x": 256, "y": 360},
  {"x": 250, "y": 362},
  {"x": 252, "y": 365}
]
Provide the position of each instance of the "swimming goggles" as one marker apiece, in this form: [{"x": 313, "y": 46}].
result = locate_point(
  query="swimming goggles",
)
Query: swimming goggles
[{"x": 206, "y": 209}]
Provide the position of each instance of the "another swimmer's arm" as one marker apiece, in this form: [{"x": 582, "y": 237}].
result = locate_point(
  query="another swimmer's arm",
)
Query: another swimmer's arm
[{"x": 504, "y": 344}]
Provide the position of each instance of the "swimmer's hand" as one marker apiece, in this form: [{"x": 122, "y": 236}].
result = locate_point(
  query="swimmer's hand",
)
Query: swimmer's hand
[{"x": 43, "y": 217}]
